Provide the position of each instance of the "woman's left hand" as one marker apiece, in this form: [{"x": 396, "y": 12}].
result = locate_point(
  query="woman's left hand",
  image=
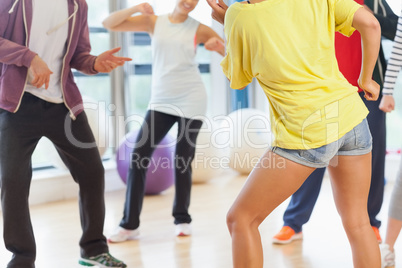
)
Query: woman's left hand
[
  {"x": 106, "y": 62},
  {"x": 218, "y": 10}
]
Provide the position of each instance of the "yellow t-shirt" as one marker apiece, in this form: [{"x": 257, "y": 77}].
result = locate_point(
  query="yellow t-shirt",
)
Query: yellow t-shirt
[{"x": 288, "y": 46}]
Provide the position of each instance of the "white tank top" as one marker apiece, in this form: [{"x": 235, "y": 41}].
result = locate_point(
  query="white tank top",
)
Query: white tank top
[{"x": 177, "y": 87}]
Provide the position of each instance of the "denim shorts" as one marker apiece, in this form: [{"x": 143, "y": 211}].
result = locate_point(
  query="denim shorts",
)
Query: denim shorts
[{"x": 358, "y": 141}]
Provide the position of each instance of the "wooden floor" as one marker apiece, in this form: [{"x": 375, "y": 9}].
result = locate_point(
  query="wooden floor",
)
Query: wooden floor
[{"x": 57, "y": 231}]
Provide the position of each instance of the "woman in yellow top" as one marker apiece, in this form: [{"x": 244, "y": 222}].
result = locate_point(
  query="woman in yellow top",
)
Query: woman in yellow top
[{"x": 317, "y": 117}]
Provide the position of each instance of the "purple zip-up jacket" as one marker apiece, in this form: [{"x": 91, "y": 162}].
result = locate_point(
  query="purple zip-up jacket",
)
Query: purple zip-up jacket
[{"x": 15, "y": 56}]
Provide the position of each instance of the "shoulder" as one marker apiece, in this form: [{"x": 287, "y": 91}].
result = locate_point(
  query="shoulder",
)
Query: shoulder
[
  {"x": 236, "y": 17},
  {"x": 236, "y": 11}
]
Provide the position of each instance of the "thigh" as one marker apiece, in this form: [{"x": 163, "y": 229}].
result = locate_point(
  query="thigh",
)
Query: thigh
[
  {"x": 76, "y": 143},
  {"x": 350, "y": 179},
  {"x": 153, "y": 129},
  {"x": 19, "y": 135},
  {"x": 271, "y": 182}
]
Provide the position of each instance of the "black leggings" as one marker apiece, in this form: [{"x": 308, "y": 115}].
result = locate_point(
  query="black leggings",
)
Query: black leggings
[{"x": 154, "y": 128}]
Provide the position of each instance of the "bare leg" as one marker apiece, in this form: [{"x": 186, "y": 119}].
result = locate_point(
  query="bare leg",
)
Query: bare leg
[
  {"x": 272, "y": 181},
  {"x": 351, "y": 183},
  {"x": 393, "y": 229}
]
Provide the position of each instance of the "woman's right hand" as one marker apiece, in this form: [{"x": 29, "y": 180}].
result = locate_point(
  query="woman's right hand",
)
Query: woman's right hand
[
  {"x": 387, "y": 103},
  {"x": 145, "y": 9},
  {"x": 370, "y": 88}
]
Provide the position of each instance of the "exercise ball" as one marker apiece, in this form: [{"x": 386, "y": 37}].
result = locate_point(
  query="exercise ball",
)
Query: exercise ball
[
  {"x": 211, "y": 154},
  {"x": 161, "y": 172},
  {"x": 248, "y": 137},
  {"x": 97, "y": 119}
]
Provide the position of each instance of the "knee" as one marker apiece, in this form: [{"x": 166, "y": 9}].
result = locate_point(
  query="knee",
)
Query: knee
[
  {"x": 231, "y": 221},
  {"x": 100, "y": 169},
  {"x": 237, "y": 221},
  {"x": 354, "y": 224},
  {"x": 93, "y": 174}
]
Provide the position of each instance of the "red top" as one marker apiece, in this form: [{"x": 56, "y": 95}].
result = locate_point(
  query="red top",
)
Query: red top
[{"x": 348, "y": 52}]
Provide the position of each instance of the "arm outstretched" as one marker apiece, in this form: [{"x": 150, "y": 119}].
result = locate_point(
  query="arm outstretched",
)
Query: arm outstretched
[
  {"x": 211, "y": 40},
  {"x": 123, "y": 21}
]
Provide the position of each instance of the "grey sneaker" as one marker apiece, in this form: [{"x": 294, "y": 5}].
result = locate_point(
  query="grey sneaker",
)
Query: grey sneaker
[
  {"x": 387, "y": 257},
  {"x": 104, "y": 260}
]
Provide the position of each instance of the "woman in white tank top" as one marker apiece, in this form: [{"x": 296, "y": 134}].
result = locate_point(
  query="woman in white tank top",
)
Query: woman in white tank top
[{"x": 177, "y": 96}]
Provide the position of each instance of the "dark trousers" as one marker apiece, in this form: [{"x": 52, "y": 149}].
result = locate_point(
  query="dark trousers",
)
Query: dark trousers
[
  {"x": 19, "y": 135},
  {"x": 154, "y": 128},
  {"x": 303, "y": 200}
]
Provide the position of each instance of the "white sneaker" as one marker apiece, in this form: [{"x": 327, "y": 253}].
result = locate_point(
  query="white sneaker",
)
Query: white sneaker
[
  {"x": 121, "y": 235},
  {"x": 387, "y": 257},
  {"x": 183, "y": 229}
]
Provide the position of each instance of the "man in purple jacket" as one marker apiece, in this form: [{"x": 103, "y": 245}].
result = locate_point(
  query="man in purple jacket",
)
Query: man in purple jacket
[{"x": 40, "y": 41}]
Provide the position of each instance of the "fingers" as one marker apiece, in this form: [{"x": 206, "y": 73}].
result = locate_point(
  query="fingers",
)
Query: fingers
[
  {"x": 124, "y": 59},
  {"x": 222, "y": 4},
  {"x": 213, "y": 44},
  {"x": 371, "y": 89},
  {"x": 106, "y": 61},
  {"x": 218, "y": 10},
  {"x": 370, "y": 97},
  {"x": 116, "y": 61},
  {"x": 148, "y": 10},
  {"x": 389, "y": 109},
  {"x": 116, "y": 58},
  {"x": 386, "y": 109},
  {"x": 35, "y": 79},
  {"x": 41, "y": 79},
  {"x": 39, "y": 82},
  {"x": 367, "y": 96},
  {"x": 386, "y": 106},
  {"x": 41, "y": 73},
  {"x": 114, "y": 50},
  {"x": 47, "y": 80},
  {"x": 211, "y": 3}
]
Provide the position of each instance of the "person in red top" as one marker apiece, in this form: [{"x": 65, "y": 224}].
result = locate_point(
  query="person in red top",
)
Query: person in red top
[{"x": 349, "y": 56}]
